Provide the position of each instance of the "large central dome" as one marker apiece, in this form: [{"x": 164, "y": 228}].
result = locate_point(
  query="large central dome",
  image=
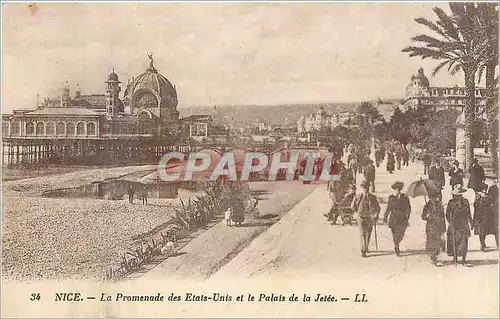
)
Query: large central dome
[{"x": 152, "y": 93}]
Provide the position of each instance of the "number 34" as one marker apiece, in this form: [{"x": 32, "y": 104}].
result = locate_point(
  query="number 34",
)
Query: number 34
[{"x": 35, "y": 296}]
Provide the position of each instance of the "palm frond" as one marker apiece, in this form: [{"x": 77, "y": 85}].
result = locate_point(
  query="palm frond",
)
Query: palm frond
[
  {"x": 457, "y": 68},
  {"x": 440, "y": 66},
  {"x": 430, "y": 41},
  {"x": 431, "y": 25},
  {"x": 425, "y": 52},
  {"x": 446, "y": 23}
]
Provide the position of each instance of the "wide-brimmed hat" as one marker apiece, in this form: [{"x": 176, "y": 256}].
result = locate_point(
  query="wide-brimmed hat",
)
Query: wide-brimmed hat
[
  {"x": 398, "y": 185},
  {"x": 458, "y": 189}
]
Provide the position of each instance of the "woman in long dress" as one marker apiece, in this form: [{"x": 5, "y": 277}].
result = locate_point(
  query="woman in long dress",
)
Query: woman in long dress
[
  {"x": 485, "y": 217},
  {"x": 398, "y": 212},
  {"x": 433, "y": 214},
  {"x": 390, "y": 162},
  {"x": 237, "y": 209}
]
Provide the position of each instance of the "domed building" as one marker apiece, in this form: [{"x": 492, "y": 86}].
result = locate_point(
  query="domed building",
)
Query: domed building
[
  {"x": 95, "y": 128},
  {"x": 419, "y": 93},
  {"x": 151, "y": 95}
]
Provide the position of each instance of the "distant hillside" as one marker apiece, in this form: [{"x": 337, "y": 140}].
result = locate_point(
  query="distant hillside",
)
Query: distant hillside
[{"x": 244, "y": 115}]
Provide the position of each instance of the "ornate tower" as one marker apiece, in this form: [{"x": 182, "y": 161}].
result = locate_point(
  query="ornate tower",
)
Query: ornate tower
[
  {"x": 65, "y": 95},
  {"x": 112, "y": 91}
]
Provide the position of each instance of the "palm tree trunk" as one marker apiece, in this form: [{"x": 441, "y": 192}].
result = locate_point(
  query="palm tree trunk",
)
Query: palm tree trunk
[
  {"x": 492, "y": 112},
  {"x": 470, "y": 104}
]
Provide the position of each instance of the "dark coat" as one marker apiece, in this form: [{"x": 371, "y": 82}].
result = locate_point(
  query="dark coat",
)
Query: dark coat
[
  {"x": 433, "y": 213},
  {"x": 406, "y": 155},
  {"x": 238, "y": 209},
  {"x": 435, "y": 227},
  {"x": 366, "y": 206},
  {"x": 390, "y": 162},
  {"x": 476, "y": 177},
  {"x": 427, "y": 159},
  {"x": 346, "y": 176},
  {"x": 485, "y": 218},
  {"x": 370, "y": 173},
  {"x": 459, "y": 217},
  {"x": 458, "y": 214},
  {"x": 398, "y": 210},
  {"x": 456, "y": 176},
  {"x": 436, "y": 174},
  {"x": 493, "y": 196}
]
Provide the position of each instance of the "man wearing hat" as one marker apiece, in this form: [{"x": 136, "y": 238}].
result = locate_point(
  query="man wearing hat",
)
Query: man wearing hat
[
  {"x": 456, "y": 175},
  {"x": 436, "y": 173},
  {"x": 398, "y": 211},
  {"x": 477, "y": 176},
  {"x": 459, "y": 224},
  {"x": 366, "y": 207},
  {"x": 485, "y": 217}
]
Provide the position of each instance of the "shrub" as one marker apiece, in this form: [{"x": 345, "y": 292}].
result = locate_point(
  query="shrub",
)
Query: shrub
[{"x": 195, "y": 213}]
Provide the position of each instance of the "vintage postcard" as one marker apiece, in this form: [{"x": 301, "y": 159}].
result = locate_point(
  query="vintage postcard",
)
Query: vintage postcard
[{"x": 249, "y": 159}]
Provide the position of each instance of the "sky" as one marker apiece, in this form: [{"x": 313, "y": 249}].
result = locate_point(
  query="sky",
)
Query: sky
[{"x": 216, "y": 53}]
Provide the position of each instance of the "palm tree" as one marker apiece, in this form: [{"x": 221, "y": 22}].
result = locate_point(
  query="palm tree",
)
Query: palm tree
[
  {"x": 367, "y": 115},
  {"x": 456, "y": 46},
  {"x": 487, "y": 27}
]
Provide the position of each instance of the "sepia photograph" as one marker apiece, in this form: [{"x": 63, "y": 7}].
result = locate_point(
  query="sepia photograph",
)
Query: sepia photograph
[{"x": 250, "y": 159}]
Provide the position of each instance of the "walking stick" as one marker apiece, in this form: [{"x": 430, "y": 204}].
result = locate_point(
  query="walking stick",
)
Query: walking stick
[{"x": 375, "y": 231}]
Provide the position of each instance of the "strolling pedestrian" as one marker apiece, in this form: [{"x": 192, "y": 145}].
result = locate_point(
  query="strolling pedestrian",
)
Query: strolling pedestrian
[
  {"x": 337, "y": 189},
  {"x": 228, "y": 216},
  {"x": 436, "y": 174},
  {"x": 398, "y": 212},
  {"x": 399, "y": 157},
  {"x": 366, "y": 207},
  {"x": 131, "y": 191},
  {"x": 237, "y": 209},
  {"x": 493, "y": 197},
  {"x": 382, "y": 153},
  {"x": 352, "y": 164},
  {"x": 485, "y": 217},
  {"x": 369, "y": 173},
  {"x": 477, "y": 176},
  {"x": 390, "y": 162},
  {"x": 377, "y": 157},
  {"x": 435, "y": 227},
  {"x": 456, "y": 175},
  {"x": 459, "y": 225},
  {"x": 406, "y": 157},
  {"x": 427, "y": 162}
]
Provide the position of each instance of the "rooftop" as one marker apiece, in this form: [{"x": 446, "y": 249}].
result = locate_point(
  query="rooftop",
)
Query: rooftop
[{"x": 64, "y": 111}]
